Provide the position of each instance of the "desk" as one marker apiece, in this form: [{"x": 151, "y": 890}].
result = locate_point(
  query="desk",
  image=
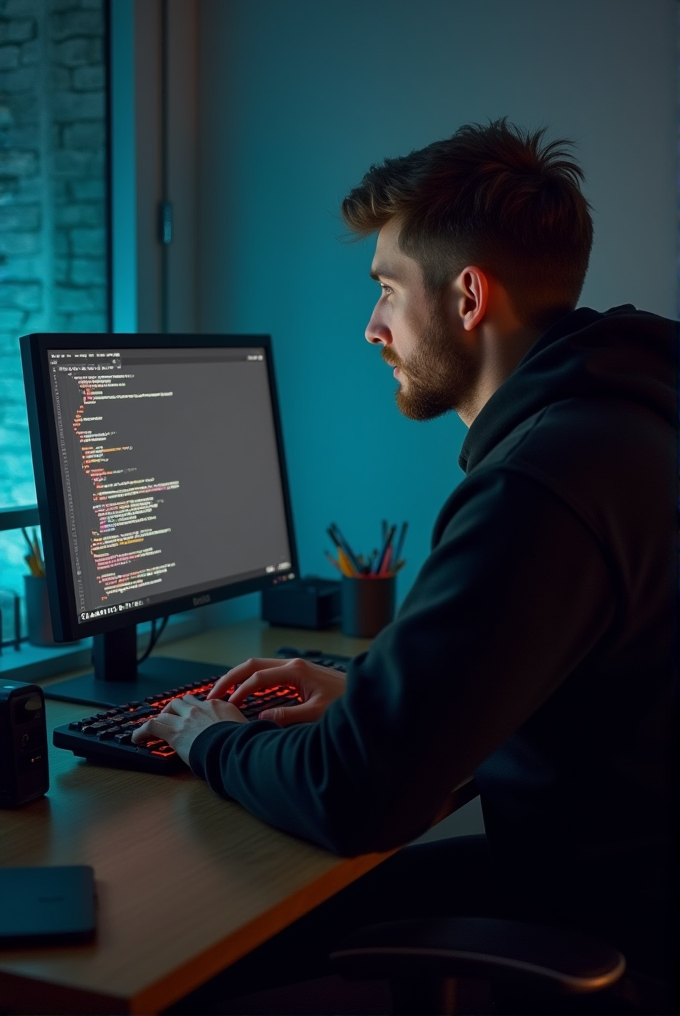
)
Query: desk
[{"x": 187, "y": 882}]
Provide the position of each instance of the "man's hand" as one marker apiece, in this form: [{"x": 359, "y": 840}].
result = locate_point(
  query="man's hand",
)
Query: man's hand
[
  {"x": 183, "y": 719},
  {"x": 318, "y": 687}
]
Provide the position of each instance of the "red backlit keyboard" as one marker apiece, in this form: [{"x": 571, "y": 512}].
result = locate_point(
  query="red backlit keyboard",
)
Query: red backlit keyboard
[{"x": 106, "y": 735}]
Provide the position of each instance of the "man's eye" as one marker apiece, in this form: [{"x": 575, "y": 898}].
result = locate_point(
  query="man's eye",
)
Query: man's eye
[{"x": 385, "y": 288}]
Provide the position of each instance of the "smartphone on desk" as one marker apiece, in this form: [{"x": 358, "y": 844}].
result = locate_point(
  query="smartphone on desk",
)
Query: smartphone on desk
[{"x": 47, "y": 906}]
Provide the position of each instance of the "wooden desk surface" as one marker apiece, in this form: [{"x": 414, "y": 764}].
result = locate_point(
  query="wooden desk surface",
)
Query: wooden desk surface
[{"x": 187, "y": 882}]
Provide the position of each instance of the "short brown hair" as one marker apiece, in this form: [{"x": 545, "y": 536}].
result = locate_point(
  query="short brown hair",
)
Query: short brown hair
[{"x": 496, "y": 196}]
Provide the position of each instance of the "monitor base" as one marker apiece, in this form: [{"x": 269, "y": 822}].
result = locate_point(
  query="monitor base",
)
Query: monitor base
[{"x": 159, "y": 673}]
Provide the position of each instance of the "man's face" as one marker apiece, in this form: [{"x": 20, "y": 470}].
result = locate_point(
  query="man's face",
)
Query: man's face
[{"x": 420, "y": 335}]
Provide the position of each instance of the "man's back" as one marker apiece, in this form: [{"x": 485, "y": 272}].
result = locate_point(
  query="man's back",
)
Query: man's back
[{"x": 578, "y": 801}]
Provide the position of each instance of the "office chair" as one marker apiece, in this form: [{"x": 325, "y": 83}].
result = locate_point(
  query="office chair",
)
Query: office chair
[
  {"x": 532, "y": 968},
  {"x": 541, "y": 969}
]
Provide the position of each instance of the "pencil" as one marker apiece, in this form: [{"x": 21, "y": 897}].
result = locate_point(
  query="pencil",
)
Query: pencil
[
  {"x": 33, "y": 566},
  {"x": 332, "y": 560},
  {"x": 345, "y": 565},
  {"x": 37, "y": 551},
  {"x": 400, "y": 541},
  {"x": 341, "y": 543},
  {"x": 34, "y": 560}
]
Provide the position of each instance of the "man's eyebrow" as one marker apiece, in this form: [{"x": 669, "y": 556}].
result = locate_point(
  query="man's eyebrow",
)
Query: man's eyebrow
[{"x": 379, "y": 272}]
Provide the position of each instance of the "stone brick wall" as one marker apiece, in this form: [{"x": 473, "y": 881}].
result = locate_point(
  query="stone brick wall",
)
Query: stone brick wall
[{"x": 53, "y": 237}]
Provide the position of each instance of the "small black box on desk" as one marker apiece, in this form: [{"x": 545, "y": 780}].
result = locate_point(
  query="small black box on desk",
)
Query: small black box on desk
[{"x": 302, "y": 603}]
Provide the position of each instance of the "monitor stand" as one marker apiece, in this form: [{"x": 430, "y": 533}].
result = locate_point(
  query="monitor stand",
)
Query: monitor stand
[{"x": 118, "y": 678}]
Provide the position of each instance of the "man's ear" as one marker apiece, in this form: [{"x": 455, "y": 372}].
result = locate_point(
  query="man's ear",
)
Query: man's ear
[{"x": 472, "y": 290}]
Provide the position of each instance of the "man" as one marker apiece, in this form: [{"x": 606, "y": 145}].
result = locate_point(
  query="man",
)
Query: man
[{"x": 536, "y": 647}]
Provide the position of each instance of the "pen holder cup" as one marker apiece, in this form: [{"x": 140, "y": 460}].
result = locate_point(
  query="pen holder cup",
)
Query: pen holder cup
[
  {"x": 38, "y": 611},
  {"x": 367, "y": 605}
]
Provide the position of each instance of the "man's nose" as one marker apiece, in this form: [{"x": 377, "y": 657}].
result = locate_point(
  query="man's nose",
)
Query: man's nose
[{"x": 377, "y": 332}]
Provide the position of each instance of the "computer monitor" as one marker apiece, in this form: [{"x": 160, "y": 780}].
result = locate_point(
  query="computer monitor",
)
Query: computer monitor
[{"x": 161, "y": 485}]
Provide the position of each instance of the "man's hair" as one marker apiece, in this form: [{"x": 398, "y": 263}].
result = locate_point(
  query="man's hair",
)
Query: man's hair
[{"x": 495, "y": 196}]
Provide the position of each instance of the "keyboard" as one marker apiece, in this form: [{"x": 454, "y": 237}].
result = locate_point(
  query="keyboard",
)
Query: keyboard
[{"x": 106, "y": 735}]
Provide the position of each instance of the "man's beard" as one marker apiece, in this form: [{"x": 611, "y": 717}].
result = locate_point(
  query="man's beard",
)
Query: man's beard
[{"x": 439, "y": 374}]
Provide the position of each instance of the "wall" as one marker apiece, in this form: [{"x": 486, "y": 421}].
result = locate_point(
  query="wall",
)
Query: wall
[
  {"x": 297, "y": 99},
  {"x": 53, "y": 243},
  {"x": 53, "y": 270}
]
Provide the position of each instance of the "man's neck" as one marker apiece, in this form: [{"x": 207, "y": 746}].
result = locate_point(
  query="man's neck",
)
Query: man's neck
[{"x": 500, "y": 351}]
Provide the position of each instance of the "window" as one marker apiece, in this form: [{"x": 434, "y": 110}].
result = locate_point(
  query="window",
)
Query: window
[{"x": 54, "y": 235}]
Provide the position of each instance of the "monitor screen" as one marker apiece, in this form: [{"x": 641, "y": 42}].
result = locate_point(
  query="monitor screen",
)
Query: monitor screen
[{"x": 160, "y": 474}]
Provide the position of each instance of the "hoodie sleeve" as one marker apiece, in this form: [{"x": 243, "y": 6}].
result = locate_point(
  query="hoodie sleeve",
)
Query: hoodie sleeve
[{"x": 481, "y": 641}]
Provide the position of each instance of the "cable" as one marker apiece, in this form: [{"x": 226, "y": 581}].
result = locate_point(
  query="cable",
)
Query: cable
[{"x": 153, "y": 638}]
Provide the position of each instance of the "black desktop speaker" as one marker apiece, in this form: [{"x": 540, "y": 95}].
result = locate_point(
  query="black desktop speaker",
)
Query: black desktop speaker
[
  {"x": 24, "y": 774},
  {"x": 303, "y": 603}
]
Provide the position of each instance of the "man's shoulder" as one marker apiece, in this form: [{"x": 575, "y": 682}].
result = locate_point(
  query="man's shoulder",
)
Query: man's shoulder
[
  {"x": 571, "y": 433},
  {"x": 611, "y": 461}
]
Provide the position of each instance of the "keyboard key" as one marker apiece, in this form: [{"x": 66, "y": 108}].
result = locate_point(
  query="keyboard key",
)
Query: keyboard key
[
  {"x": 108, "y": 734},
  {"x": 287, "y": 652},
  {"x": 334, "y": 660}
]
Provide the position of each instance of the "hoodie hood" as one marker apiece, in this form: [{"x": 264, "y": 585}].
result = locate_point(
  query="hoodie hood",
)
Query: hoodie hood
[{"x": 623, "y": 353}]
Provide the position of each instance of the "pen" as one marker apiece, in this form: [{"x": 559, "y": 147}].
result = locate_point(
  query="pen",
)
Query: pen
[
  {"x": 400, "y": 541},
  {"x": 341, "y": 543},
  {"x": 385, "y": 569},
  {"x": 334, "y": 539},
  {"x": 382, "y": 563},
  {"x": 378, "y": 568}
]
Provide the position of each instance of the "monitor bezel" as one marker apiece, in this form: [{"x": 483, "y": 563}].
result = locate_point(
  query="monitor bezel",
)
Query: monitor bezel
[{"x": 50, "y": 491}]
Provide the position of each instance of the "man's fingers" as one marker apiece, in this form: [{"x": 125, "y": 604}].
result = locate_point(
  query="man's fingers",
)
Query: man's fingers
[
  {"x": 180, "y": 705},
  {"x": 221, "y": 686},
  {"x": 239, "y": 674},
  {"x": 262, "y": 679},
  {"x": 154, "y": 727}
]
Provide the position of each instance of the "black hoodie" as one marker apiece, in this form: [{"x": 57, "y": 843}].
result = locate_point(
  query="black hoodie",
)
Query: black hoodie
[{"x": 535, "y": 649}]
